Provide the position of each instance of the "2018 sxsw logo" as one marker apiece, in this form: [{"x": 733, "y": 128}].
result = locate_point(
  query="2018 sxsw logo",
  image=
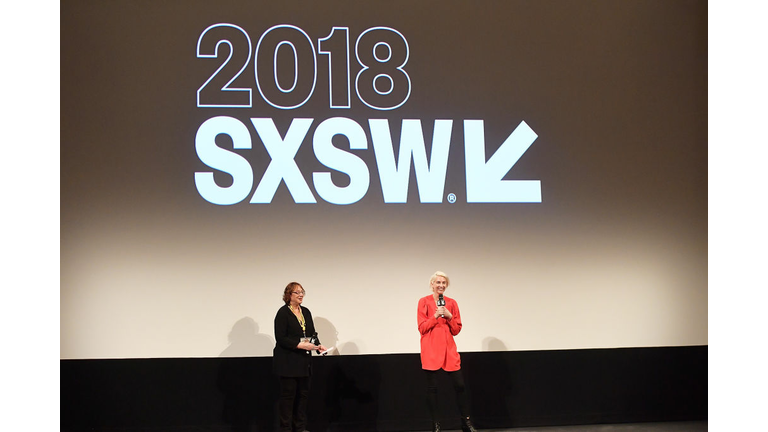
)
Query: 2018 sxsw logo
[{"x": 382, "y": 83}]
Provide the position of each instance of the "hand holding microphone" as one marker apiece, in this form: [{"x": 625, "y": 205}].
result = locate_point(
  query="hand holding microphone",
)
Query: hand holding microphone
[
  {"x": 444, "y": 313},
  {"x": 320, "y": 348}
]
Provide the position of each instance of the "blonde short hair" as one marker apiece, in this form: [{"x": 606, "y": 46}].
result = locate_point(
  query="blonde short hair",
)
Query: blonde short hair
[{"x": 438, "y": 274}]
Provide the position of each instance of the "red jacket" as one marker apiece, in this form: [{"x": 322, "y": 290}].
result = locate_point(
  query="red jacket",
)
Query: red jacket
[{"x": 438, "y": 349}]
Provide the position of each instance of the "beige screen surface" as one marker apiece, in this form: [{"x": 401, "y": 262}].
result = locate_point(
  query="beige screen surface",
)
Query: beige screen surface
[{"x": 614, "y": 255}]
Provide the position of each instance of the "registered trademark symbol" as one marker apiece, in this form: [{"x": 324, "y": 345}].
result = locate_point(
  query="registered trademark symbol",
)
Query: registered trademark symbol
[{"x": 451, "y": 198}]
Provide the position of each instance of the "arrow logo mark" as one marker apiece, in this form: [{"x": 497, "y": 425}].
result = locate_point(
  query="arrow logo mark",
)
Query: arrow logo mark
[{"x": 484, "y": 179}]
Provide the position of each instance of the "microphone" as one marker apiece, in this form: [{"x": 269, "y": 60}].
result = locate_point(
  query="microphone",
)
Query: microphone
[{"x": 441, "y": 302}]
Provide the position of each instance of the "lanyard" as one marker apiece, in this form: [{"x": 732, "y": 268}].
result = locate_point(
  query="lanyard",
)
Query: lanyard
[{"x": 300, "y": 317}]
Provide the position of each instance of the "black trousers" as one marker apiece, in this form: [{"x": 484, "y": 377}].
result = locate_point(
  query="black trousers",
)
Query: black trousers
[
  {"x": 294, "y": 394},
  {"x": 458, "y": 385}
]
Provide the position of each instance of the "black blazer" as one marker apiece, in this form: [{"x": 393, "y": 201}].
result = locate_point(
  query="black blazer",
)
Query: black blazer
[{"x": 287, "y": 360}]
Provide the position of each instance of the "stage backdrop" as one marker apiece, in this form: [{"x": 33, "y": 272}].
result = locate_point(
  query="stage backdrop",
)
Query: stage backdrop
[{"x": 550, "y": 157}]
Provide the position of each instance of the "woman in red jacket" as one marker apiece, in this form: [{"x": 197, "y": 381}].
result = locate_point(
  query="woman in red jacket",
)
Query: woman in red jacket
[{"x": 439, "y": 321}]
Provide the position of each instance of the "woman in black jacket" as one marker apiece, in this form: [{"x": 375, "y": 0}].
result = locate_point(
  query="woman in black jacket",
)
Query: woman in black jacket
[{"x": 296, "y": 339}]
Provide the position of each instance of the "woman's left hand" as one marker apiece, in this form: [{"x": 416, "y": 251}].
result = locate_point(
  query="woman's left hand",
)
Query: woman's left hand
[{"x": 447, "y": 314}]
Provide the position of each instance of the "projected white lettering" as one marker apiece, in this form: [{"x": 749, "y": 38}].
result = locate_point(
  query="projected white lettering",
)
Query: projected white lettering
[
  {"x": 282, "y": 167},
  {"x": 239, "y": 55},
  {"x": 286, "y": 72},
  {"x": 382, "y": 53},
  {"x": 394, "y": 179},
  {"x": 484, "y": 179}
]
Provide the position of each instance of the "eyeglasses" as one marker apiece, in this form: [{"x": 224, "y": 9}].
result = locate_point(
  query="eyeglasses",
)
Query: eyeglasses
[{"x": 298, "y": 292}]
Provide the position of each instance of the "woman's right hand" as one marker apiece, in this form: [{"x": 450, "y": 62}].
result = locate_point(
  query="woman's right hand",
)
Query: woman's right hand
[{"x": 306, "y": 346}]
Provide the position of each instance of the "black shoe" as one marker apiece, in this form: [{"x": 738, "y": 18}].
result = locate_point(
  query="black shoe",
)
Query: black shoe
[
  {"x": 466, "y": 425},
  {"x": 435, "y": 427}
]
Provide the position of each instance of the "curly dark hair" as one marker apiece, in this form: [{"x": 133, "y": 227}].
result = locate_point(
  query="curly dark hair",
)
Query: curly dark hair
[{"x": 289, "y": 290}]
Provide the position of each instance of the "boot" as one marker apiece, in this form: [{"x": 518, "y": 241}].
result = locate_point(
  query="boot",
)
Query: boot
[
  {"x": 466, "y": 425},
  {"x": 436, "y": 427}
]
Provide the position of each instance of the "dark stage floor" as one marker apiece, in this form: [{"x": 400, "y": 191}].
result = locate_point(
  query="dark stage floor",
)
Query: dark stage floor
[{"x": 633, "y": 427}]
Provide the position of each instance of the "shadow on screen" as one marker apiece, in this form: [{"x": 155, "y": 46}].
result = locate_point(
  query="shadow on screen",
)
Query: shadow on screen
[
  {"x": 246, "y": 341},
  {"x": 327, "y": 333},
  {"x": 351, "y": 389},
  {"x": 245, "y": 379}
]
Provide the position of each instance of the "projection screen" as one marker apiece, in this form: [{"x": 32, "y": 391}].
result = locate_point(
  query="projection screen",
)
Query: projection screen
[{"x": 550, "y": 157}]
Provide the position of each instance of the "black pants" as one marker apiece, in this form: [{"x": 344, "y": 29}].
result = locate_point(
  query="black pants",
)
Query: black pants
[
  {"x": 458, "y": 385},
  {"x": 294, "y": 394}
]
